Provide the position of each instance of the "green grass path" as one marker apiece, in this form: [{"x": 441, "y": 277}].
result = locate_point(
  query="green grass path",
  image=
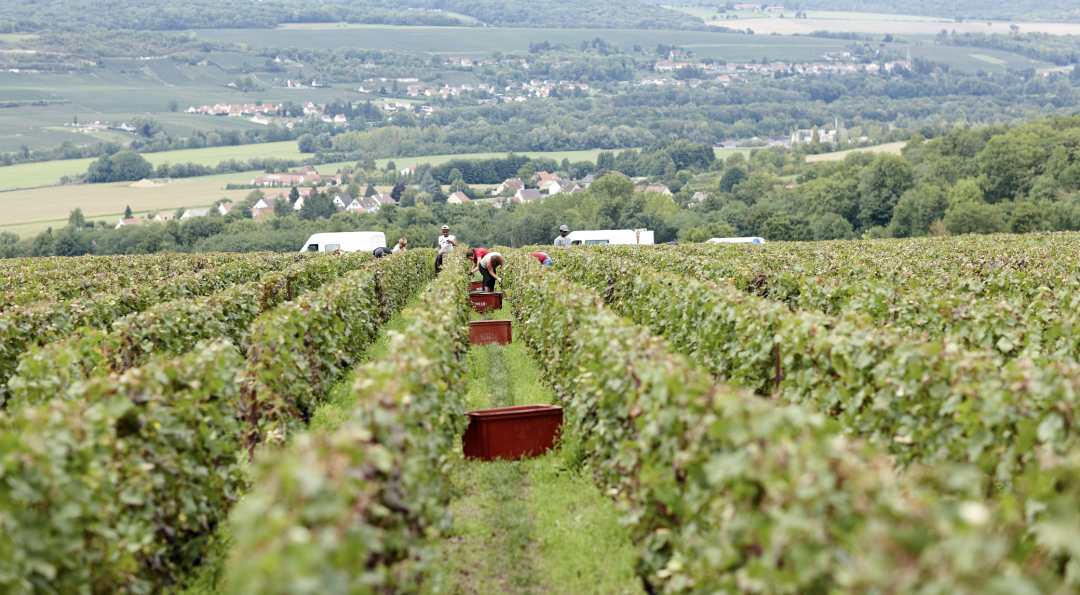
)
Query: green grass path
[{"x": 531, "y": 526}]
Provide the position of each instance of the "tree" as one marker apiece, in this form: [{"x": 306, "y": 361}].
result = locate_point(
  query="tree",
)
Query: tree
[
  {"x": 395, "y": 193},
  {"x": 731, "y": 178},
  {"x": 965, "y": 191},
  {"x": 972, "y": 217},
  {"x": 294, "y": 195},
  {"x": 526, "y": 172},
  {"x": 881, "y": 183},
  {"x": 778, "y": 228},
  {"x": 127, "y": 212},
  {"x": 1025, "y": 218},
  {"x": 76, "y": 218},
  {"x": 605, "y": 160},
  {"x": 428, "y": 184},
  {"x": 370, "y": 190},
  {"x": 173, "y": 105},
  {"x": 282, "y": 207},
  {"x": 306, "y": 143},
  {"x": 455, "y": 175}
]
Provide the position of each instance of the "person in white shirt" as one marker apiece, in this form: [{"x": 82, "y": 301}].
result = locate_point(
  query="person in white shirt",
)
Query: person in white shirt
[
  {"x": 401, "y": 244},
  {"x": 563, "y": 241},
  {"x": 446, "y": 238},
  {"x": 487, "y": 266},
  {"x": 447, "y": 243}
]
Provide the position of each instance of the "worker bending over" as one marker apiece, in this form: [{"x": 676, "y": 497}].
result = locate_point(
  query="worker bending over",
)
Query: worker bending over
[
  {"x": 488, "y": 265},
  {"x": 544, "y": 259},
  {"x": 474, "y": 255}
]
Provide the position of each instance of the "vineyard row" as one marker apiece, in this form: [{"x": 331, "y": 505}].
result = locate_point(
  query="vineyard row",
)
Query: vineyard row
[
  {"x": 120, "y": 485},
  {"x": 724, "y": 491}
]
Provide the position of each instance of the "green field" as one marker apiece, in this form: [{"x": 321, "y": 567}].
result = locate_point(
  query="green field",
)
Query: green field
[
  {"x": 990, "y": 59},
  {"x": 144, "y": 87},
  {"x": 32, "y": 175},
  {"x": 471, "y": 40},
  {"x": 893, "y": 148},
  {"x": 30, "y": 211}
]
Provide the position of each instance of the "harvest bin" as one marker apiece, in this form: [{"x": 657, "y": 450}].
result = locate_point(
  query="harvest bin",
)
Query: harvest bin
[
  {"x": 512, "y": 432},
  {"x": 482, "y": 301},
  {"x": 490, "y": 331},
  {"x": 476, "y": 286}
]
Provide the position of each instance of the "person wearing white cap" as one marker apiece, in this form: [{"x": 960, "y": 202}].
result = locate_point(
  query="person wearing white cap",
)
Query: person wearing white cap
[
  {"x": 447, "y": 243},
  {"x": 563, "y": 241}
]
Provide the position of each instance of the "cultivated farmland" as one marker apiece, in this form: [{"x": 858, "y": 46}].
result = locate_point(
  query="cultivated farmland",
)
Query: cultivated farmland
[{"x": 843, "y": 416}]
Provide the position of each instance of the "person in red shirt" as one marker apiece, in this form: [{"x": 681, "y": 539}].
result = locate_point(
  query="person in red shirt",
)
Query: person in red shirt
[
  {"x": 475, "y": 254},
  {"x": 544, "y": 259}
]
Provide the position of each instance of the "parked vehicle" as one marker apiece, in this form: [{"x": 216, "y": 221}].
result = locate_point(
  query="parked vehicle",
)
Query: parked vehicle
[
  {"x": 611, "y": 236},
  {"x": 349, "y": 241},
  {"x": 750, "y": 240}
]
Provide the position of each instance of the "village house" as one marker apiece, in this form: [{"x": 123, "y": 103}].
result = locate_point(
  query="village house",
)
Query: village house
[
  {"x": 408, "y": 171},
  {"x": 457, "y": 198},
  {"x": 126, "y": 222},
  {"x": 528, "y": 195},
  {"x": 543, "y": 177},
  {"x": 188, "y": 214},
  {"x": 225, "y": 207},
  {"x": 260, "y": 119},
  {"x": 499, "y": 201},
  {"x": 164, "y": 217},
  {"x": 127, "y": 126},
  {"x": 514, "y": 183},
  {"x": 565, "y": 186}
]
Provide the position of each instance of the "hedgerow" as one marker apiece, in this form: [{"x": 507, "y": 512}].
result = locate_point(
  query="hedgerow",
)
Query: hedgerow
[
  {"x": 1016, "y": 299},
  {"x": 726, "y": 492},
  {"x": 297, "y": 350},
  {"x": 922, "y": 400},
  {"x": 120, "y": 488},
  {"x": 169, "y": 328},
  {"x": 355, "y": 511},
  {"x": 24, "y": 281},
  {"x": 46, "y": 322}
]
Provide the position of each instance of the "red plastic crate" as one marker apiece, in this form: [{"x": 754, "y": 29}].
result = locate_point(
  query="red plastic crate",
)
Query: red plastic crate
[
  {"x": 476, "y": 286},
  {"x": 490, "y": 331},
  {"x": 512, "y": 432},
  {"x": 482, "y": 301}
]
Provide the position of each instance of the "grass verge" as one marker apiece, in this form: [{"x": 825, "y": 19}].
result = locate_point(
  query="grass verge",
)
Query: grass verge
[{"x": 531, "y": 526}]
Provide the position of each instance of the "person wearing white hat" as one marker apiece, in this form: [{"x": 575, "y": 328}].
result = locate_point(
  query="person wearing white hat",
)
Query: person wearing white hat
[
  {"x": 563, "y": 241},
  {"x": 447, "y": 243}
]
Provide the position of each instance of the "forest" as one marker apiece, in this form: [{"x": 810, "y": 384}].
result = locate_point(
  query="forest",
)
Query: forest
[
  {"x": 160, "y": 15},
  {"x": 970, "y": 180}
]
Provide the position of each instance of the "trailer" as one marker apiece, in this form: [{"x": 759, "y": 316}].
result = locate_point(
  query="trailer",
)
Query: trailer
[
  {"x": 611, "y": 236},
  {"x": 348, "y": 241}
]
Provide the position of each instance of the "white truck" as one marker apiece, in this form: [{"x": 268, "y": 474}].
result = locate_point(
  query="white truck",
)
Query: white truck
[
  {"x": 611, "y": 236},
  {"x": 748, "y": 240},
  {"x": 348, "y": 241}
]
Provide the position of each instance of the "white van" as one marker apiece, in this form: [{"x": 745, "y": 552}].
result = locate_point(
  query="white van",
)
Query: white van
[
  {"x": 611, "y": 236},
  {"x": 348, "y": 241},
  {"x": 752, "y": 240}
]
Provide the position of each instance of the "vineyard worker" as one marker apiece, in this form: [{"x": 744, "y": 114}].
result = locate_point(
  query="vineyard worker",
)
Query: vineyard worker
[
  {"x": 447, "y": 243},
  {"x": 401, "y": 244},
  {"x": 544, "y": 259},
  {"x": 563, "y": 241},
  {"x": 446, "y": 238},
  {"x": 475, "y": 254},
  {"x": 381, "y": 251},
  {"x": 488, "y": 264}
]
